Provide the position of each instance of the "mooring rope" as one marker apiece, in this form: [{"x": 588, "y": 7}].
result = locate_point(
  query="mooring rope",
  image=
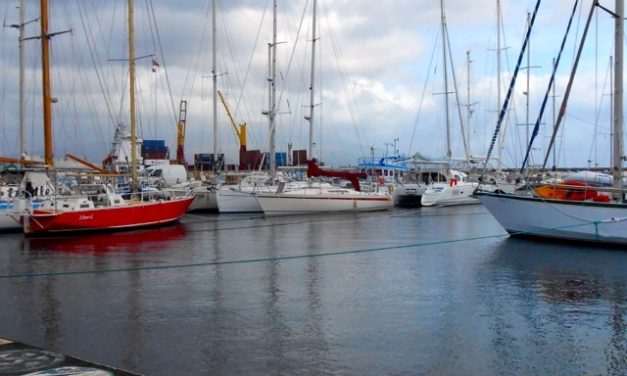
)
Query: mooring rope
[{"x": 292, "y": 257}]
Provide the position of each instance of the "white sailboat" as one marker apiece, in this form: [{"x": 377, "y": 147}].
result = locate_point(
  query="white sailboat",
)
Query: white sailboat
[
  {"x": 575, "y": 212},
  {"x": 316, "y": 197},
  {"x": 457, "y": 190}
]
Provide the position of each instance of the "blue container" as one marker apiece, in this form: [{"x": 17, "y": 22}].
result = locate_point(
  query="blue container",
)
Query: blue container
[
  {"x": 154, "y": 143},
  {"x": 281, "y": 159}
]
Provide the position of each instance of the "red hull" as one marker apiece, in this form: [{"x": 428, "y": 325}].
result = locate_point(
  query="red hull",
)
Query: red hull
[
  {"x": 110, "y": 218},
  {"x": 142, "y": 240}
]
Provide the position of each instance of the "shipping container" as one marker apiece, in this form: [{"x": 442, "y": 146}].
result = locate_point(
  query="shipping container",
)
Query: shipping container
[
  {"x": 249, "y": 159},
  {"x": 204, "y": 161},
  {"x": 299, "y": 157},
  {"x": 155, "y": 154},
  {"x": 281, "y": 159},
  {"x": 153, "y": 144}
]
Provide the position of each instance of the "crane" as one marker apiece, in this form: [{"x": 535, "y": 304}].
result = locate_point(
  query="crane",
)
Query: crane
[{"x": 241, "y": 131}]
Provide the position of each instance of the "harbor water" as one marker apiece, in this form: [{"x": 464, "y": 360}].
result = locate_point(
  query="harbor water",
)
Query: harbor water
[{"x": 430, "y": 291}]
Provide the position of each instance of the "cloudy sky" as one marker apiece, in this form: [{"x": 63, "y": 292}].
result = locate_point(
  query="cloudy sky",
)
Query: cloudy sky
[{"x": 379, "y": 76}]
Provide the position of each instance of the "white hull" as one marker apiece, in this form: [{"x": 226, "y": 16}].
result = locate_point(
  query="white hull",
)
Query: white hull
[
  {"x": 316, "y": 200},
  {"x": 408, "y": 194},
  {"x": 9, "y": 220},
  {"x": 205, "y": 199},
  {"x": 233, "y": 200},
  {"x": 10, "y": 213},
  {"x": 569, "y": 220},
  {"x": 444, "y": 194}
]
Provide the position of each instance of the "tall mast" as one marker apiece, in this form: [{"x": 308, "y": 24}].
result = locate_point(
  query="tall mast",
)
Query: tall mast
[
  {"x": 554, "y": 122},
  {"x": 617, "y": 162},
  {"x": 527, "y": 92},
  {"x": 214, "y": 78},
  {"x": 498, "y": 75},
  {"x": 310, "y": 118},
  {"x": 47, "y": 100},
  {"x": 449, "y": 153},
  {"x": 272, "y": 112},
  {"x": 131, "y": 72},
  {"x": 21, "y": 48}
]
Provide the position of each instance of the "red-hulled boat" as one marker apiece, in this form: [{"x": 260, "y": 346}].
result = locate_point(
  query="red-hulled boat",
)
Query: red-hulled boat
[{"x": 98, "y": 208}]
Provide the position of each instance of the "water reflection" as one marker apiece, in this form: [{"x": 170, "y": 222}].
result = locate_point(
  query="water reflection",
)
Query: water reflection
[
  {"x": 122, "y": 241},
  {"x": 557, "y": 288},
  {"x": 50, "y": 315},
  {"x": 278, "y": 332},
  {"x": 319, "y": 348}
]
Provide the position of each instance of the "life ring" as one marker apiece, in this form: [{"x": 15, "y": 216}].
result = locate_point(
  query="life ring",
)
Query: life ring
[{"x": 381, "y": 180}]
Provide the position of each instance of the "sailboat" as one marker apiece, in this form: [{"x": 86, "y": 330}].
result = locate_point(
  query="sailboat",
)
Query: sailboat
[
  {"x": 324, "y": 197},
  {"x": 96, "y": 207},
  {"x": 457, "y": 190},
  {"x": 574, "y": 211},
  {"x": 321, "y": 197}
]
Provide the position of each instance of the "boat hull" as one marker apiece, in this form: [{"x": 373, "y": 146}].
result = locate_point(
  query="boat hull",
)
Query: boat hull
[
  {"x": 231, "y": 200},
  {"x": 137, "y": 215},
  {"x": 408, "y": 195},
  {"x": 205, "y": 199},
  {"x": 559, "y": 219},
  {"x": 287, "y": 204},
  {"x": 444, "y": 194},
  {"x": 11, "y": 213},
  {"x": 9, "y": 221}
]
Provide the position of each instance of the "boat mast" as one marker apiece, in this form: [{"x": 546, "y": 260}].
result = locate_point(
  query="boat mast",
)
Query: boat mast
[
  {"x": 131, "y": 72},
  {"x": 272, "y": 94},
  {"x": 527, "y": 94},
  {"x": 468, "y": 104},
  {"x": 449, "y": 154},
  {"x": 273, "y": 111},
  {"x": 21, "y": 49},
  {"x": 617, "y": 167},
  {"x": 310, "y": 118},
  {"x": 47, "y": 100},
  {"x": 214, "y": 78},
  {"x": 498, "y": 77}
]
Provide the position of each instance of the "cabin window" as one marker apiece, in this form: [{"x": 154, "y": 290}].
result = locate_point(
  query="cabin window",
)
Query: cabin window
[
  {"x": 66, "y": 205},
  {"x": 116, "y": 201},
  {"x": 84, "y": 206}
]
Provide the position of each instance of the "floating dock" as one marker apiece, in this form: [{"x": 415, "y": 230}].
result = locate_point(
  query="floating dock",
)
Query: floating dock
[{"x": 21, "y": 359}]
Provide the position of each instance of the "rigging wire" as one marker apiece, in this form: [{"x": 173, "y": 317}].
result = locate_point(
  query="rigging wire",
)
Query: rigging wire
[
  {"x": 424, "y": 90},
  {"x": 509, "y": 91},
  {"x": 536, "y": 128},
  {"x": 93, "y": 56},
  {"x": 570, "y": 82},
  {"x": 151, "y": 12},
  {"x": 344, "y": 80}
]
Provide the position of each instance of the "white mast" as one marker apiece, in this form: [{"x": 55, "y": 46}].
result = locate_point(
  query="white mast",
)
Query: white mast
[
  {"x": 21, "y": 48},
  {"x": 310, "y": 118},
  {"x": 468, "y": 104},
  {"x": 617, "y": 162},
  {"x": 214, "y": 79},
  {"x": 131, "y": 71},
  {"x": 498, "y": 76},
  {"x": 272, "y": 91},
  {"x": 527, "y": 94},
  {"x": 449, "y": 154}
]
